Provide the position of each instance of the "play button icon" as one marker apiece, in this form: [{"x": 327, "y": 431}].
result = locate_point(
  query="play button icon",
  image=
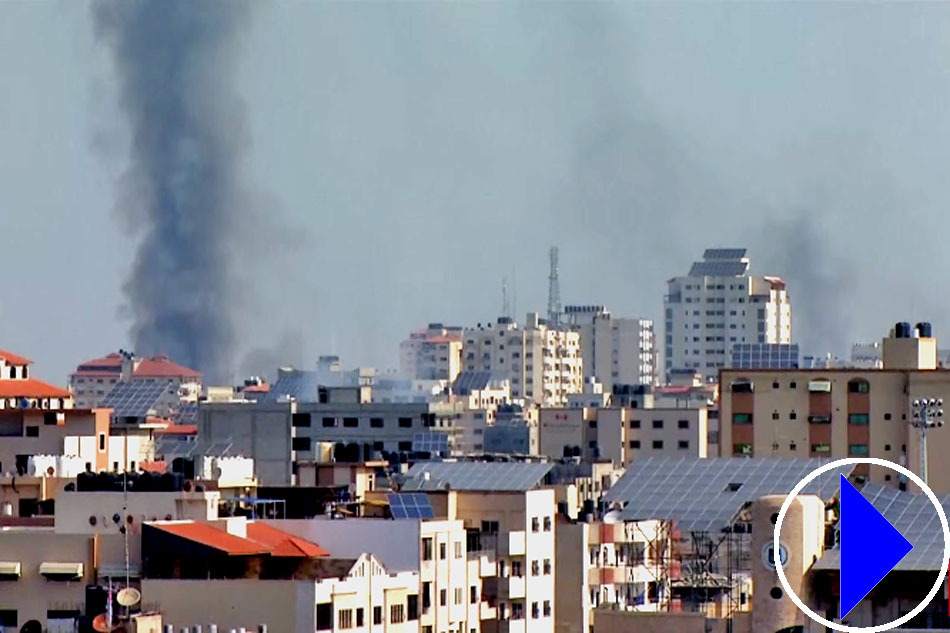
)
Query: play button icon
[{"x": 870, "y": 547}]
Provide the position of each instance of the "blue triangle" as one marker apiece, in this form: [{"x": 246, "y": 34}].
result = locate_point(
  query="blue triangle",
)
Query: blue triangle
[{"x": 870, "y": 547}]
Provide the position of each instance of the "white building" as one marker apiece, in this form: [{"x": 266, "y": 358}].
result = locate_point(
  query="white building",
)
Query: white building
[
  {"x": 720, "y": 303},
  {"x": 542, "y": 364},
  {"x": 434, "y": 353},
  {"x": 614, "y": 350}
]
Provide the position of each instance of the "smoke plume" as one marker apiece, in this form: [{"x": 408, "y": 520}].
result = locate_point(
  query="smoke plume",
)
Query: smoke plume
[{"x": 181, "y": 194}]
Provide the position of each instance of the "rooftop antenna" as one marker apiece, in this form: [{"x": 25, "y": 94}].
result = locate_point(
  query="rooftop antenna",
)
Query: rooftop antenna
[
  {"x": 505, "y": 304},
  {"x": 554, "y": 291}
]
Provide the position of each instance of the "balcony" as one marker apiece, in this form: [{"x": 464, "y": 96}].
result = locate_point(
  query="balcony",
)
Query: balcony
[
  {"x": 515, "y": 544},
  {"x": 516, "y": 587}
]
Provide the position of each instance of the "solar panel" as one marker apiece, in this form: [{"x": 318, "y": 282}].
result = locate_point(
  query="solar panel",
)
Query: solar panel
[
  {"x": 481, "y": 476},
  {"x": 185, "y": 414},
  {"x": 915, "y": 517},
  {"x": 136, "y": 398},
  {"x": 469, "y": 381},
  {"x": 719, "y": 268},
  {"x": 703, "y": 495},
  {"x": 410, "y": 505},
  {"x": 724, "y": 253},
  {"x": 301, "y": 385},
  {"x": 764, "y": 356},
  {"x": 432, "y": 443}
]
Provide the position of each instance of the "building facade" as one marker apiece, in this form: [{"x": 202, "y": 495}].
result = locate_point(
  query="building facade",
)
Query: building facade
[
  {"x": 614, "y": 350},
  {"x": 718, "y": 304},
  {"x": 834, "y": 413},
  {"x": 434, "y": 353},
  {"x": 543, "y": 364}
]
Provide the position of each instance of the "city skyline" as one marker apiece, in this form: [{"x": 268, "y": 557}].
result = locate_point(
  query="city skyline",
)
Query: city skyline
[{"x": 614, "y": 147}]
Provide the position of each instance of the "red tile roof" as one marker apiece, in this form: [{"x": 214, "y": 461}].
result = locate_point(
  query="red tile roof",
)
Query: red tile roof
[
  {"x": 215, "y": 538},
  {"x": 31, "y": 388},
  {"x": 256, "y": 388},
  {"x": 282, "y": 543},
  {"x": 162, "y": 367},
  {"x": 261, "y": 539},
  {"x": 14, "y": 359},
  {"x": 109, "y": 365}
]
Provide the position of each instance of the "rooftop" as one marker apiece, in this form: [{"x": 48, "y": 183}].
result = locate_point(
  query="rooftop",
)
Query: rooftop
[
  {"x": 261, "y": 539},
  {"x": 162, "y": 367},
  {"x": 13, "y": 359},
  {"x": 31, "y": 388},
  {"x": 476, "y": 476}
]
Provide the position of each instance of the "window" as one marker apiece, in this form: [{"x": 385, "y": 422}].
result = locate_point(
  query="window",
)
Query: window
[
  {"x": 102, "y": 442},
  {"x": 427, "y": 548},
  {"x": 887, "y": 416},
  {"x": 473, "y": 594},
  {"x": 300, "y": 444},
  {"x": 377, "y": 615},
  {"x": 517, "y": 611},
  {"x": 547, "y": 566},
  {"x": 516, "y": 569},
  {"x": 397, "y": 613},
  {"x": 634, "y": 443},
  {"x": 443, "y": 551},
  {"x": 359, "y": 617},
  {"x": 742, "y": 449},
  {"x": 683, "y": 445},
  {"x": 683, "y": 424},
  {"x": 792, "y": 416},
  {"x": 547, "y": 608},
  {"x": 658, "y": 424},
  {"x": 819, "y": 419},
  {"x": 405, "y": 423},
  {"x": 405, "y": 445},
  {"x": 887, "y": 447},
  {"x": 376, "y": 423},
  {"x": 459, "y": 595},
  {"x": 324, "y": 616},
  {"x": 535, "y": 524},
  {"x": 490, "y": 527},
  {"x": 859, "y": 385},
  {"x": 535, "y": 610},
  {"x": 329, "y": 422},
  {"x": 535, "y": 568},
  {"x": 32, "y": 431},
  {"x": 592, "y": 424},
  {"x": 858, "y": 418},
  {"x": 658, "y": 444},
  {"x": 859, "y": 450},
  {"x": 345, "y": 618},
  {"x": 820, "y": 448},
  {"x": 443, "y": 597},
  {"x": 351, "y": 423},
  {"x": 547, "y": 524},
  {"x": 742, "y": 418},
  {"x": 49, "y": 418},
  {"x": 300, "y": 419},
  {"x": 634, "y": 424},
  {"x": 412, "y": 607},
  {"x": 458, "y": 549},
  {"x": 775, "y": 415}
]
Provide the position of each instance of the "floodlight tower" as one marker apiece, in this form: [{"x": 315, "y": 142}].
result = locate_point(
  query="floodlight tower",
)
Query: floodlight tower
[{"x": 928, "y": 413}]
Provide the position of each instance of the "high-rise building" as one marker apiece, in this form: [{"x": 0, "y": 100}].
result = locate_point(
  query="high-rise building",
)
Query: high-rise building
[
  {"x": 718, "y": 304},
  {"x": 542, "y": 363},
  {"x": 614, "y": 350},
  {"x": 434, "y": 353}
]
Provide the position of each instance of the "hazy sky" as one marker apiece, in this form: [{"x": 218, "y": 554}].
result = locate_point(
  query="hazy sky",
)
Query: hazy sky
[{"x": 404, "y": 158}]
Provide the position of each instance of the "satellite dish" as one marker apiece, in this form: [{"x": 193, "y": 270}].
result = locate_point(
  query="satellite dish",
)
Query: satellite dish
[{"x": 128, "y": 597}]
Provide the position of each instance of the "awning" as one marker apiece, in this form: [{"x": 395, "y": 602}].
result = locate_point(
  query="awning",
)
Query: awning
[
  {"x": 9, "y": 570},
  {"x": 64, "y": 571},
  {"x": 118, "y": 571}
]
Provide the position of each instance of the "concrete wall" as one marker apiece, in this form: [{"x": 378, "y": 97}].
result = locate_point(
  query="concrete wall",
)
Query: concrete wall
[
  {"x": 629, "y": 622},
  {"x": 284, "y": 605}
]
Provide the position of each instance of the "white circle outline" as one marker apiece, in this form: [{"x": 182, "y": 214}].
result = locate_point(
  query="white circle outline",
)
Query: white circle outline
[{"x": 880, "y": 628}]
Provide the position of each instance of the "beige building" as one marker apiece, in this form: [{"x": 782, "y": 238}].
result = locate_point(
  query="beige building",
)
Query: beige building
[
  {"x": 720, "y": 303},
  {"x": 622, "y": 434},
  {"x": 434, "y": 353},
  {"x": 835, "y": 413},
  {"x": 542, "y": 364},
  {"x": 94, "y": 379},
  {"x": 614, "y": 350}
]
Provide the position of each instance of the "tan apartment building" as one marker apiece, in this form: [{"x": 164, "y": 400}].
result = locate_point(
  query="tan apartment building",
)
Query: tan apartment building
[
  {"x": 718, "y": 304},
  {"x": 614, "y": 350},
  {"x": 434, "y": 353},
  {"x": 543, "y": 364},
  {"x": 622, "y": 434},
  {"x": 834, "y": 413},
  {"x": 93, "y": 379}
]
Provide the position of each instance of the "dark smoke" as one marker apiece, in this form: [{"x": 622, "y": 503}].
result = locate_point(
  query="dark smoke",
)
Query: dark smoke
[{"x": 181, "y": 195}]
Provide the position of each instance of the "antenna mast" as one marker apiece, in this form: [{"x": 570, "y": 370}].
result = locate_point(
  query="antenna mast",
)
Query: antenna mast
[
  {"x": 554, "y": 291},
  {"x": 505, "y": 303}
]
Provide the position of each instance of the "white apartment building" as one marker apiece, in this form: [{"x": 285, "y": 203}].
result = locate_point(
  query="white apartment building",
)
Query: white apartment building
[
  {"x": 543, "y": 364},
  {"x": 718, "y": 304},
  {"x": 614, "y": 350},
  {"x": 434, "y": 353}
]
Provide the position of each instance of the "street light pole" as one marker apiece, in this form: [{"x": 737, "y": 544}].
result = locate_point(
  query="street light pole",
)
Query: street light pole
[{"x": 928, "y": 413}]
